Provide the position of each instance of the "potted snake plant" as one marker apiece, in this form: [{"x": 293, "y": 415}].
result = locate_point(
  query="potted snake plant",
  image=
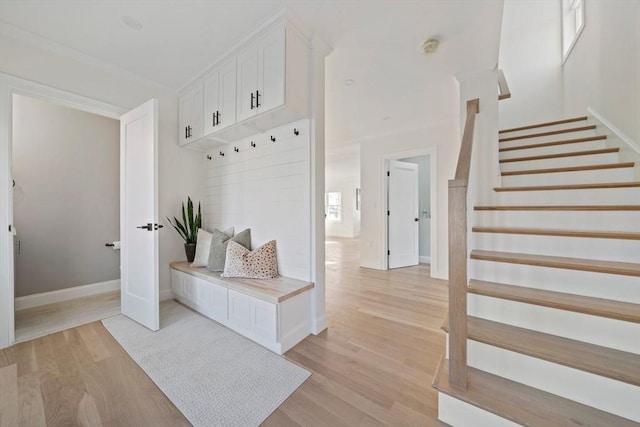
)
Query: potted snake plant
[{"x": 188, "y": 228}]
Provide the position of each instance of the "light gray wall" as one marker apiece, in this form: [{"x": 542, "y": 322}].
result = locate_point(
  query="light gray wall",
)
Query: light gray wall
[
  {"x": 424, "y": 202},
  {"x": 66, "y": 198}
]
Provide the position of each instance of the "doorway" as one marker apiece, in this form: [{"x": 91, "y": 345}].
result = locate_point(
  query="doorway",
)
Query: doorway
[
  {"x": 425, "y": 212},
  {"x": 66, "y": 207},
  {"x": 10, "y": 86}
]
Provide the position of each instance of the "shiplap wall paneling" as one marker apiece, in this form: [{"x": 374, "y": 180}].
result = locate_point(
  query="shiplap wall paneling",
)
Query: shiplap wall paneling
[{"x": 266, "y": 188}]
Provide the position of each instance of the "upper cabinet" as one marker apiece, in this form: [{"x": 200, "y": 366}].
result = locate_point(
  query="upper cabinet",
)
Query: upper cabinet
[
  {"x": 220, "y": 98},
  {"x": 190, "y": 116},
  {"x": 261, "y": 85},
  {"x": 262, "y": 75}
]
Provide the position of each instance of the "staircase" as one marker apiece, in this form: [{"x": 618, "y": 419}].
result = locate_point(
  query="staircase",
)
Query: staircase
[{"x": 553, "y": 300}]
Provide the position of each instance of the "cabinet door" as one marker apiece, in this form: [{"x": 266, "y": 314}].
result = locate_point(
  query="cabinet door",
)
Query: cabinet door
[
  {"x": 271, "y": 70},
  {"x": 177, "y": 282},
  {"x": 190, "y": 107},
  {"x": 185, "y": 113},
  {"x": 218, "y": 303},
  {"x": 263, "y": 320},
  {"x": 247, "y": 83},
  {"x": 227, "y": 95},
  {"x": 211, "y": 101},
  {"x": 220, "y": 98},
  {"x": 239, "y": 311}
]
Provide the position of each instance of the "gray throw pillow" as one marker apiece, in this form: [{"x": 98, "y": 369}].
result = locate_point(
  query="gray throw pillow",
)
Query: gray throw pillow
[{"x": 219, "y": 243}]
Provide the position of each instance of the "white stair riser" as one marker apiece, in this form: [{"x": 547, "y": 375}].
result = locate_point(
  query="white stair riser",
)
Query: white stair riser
[
  {"x": 549, "y": 138},
  {"x": 618, "y": 334},
  {"x": 594, "y": 196},
  {"x": 575, "y": 247},
  {"x": 570, "y": 220},
  {"x": 562, "y": 126},
  {"x": 578, "y": 177},
  {"x": 599, "y": 392},
  {"x": 600, "y": 285},
  {"x": 554, "y": 149},
  {"x": 561, "y": 162},
  {"x": 457, "y": 413}
]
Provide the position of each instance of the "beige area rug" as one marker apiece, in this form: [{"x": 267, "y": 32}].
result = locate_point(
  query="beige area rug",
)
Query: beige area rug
[{"x": 214, "y": 376}]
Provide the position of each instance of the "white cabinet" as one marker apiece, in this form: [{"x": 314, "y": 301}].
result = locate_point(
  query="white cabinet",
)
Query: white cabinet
[
  {"x": 261, "y": 75},
  {"x": 278, "y": 323},
  {"x": 262, "y": 85},
  {"x": 255, "y": 318},
  {"x": 220, "y": 98},
  {"x": 190, "y": 115}
]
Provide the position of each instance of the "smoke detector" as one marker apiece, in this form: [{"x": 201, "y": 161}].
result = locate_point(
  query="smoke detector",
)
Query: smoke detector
[{"x": 429, "y": 46}]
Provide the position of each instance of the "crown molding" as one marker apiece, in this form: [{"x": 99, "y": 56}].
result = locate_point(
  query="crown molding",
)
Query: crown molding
[{"x": 48, "y": 45}]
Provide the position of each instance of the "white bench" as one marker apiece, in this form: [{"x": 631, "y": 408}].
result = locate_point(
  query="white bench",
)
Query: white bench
[{"x": 272, "y": 312}]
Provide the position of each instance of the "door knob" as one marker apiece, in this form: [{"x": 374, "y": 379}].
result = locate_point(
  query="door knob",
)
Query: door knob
[
  {"x": 416, "y": 219},
  {"x": 147, "y": 227}
]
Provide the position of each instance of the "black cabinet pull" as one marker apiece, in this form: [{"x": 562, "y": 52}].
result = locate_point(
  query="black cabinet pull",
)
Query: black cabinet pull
[
  {"x": 213, "y": 119},
  {"x": 186, "y": 132},
  {"x": 257, "y": 98},
  {"x": 252, "y": 97},
  {"x": 217, "y": 117}
]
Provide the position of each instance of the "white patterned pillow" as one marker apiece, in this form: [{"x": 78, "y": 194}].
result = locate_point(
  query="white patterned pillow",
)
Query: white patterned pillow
[
  {"x": 260, "y": 263},
  {"x": 203, "y": 246}
]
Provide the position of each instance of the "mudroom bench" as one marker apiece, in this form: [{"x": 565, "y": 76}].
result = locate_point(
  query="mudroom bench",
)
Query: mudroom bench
[{"x": 275, "y": 313}]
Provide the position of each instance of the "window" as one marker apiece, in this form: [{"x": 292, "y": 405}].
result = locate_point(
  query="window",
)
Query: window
[
  {"x": 333, "y": 206},
  {"x": 572, "y": 25}
]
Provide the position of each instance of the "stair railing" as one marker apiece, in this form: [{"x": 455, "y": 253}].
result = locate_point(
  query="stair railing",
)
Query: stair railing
[
  {"x": 458, "y": 254},
  {"x": 503, "y": 88}
]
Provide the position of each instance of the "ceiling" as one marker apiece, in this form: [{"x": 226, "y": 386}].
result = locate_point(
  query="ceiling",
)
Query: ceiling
[{"x": 376, "y": 45}]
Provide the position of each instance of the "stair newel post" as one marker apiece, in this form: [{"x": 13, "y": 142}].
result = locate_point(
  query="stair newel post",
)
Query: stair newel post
[{"x": 458, "y": 254}]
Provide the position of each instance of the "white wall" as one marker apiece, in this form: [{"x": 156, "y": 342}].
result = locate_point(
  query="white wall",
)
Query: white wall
[
  {"x": 66, "y": 202},
  {"x": 266, "y": 189},
  {"x": 424, "y": 203},
  {"x": 530, "y": 57},
  {"x": 603, "y": 70},
  {"x": 180, "y": 171},
  {"x": 444, "y": 138},
  {"x": 343, "y": 175}
]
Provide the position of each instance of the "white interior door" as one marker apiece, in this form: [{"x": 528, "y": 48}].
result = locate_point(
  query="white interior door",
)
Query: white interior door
[
  {"x": 403, "y": 214},
  {"x": 139, "y": 215}
]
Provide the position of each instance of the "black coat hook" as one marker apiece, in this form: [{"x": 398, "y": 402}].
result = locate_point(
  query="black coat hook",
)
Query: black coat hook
[
  {"x": 273, "y": 138},
  {"x": 222, "y": 154},
  {"x": 296, "y": 132},
  {"x": 208, "y": 157},
  {"x": 236, "y": 149},
  {"x": 253, "y": 144}
]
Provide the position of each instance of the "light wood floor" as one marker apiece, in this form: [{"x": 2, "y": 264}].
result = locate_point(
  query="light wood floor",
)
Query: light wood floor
[
  {"x": 374, "y": 366},
  {"x": 40, "y": 321}
]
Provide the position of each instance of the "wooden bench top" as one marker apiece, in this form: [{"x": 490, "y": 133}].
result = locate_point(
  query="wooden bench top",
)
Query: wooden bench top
[{"x": 271, "y": 290}]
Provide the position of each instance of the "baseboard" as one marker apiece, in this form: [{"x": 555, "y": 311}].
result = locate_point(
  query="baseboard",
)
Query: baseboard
[
  {"x": 425, "y": 259},
  {"x": 319, "y": 325},
  {"x": 44, "y": 298}
]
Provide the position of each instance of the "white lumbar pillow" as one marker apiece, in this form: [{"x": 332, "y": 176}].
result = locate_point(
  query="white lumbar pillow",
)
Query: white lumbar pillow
[{"x": 204, "y": 245}]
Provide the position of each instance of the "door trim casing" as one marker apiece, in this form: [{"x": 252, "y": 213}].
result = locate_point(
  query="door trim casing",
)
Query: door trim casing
[
  {"x": 10, "y": 85},
  {"x": 432, "y": 152}
]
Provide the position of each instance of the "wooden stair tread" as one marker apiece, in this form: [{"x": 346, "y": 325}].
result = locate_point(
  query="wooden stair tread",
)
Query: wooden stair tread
[
  {"x": 577, "y": 303},
  {"x": 523, "y": 404},
  {"x": 554, "y": 143},
  {"x": 571, "y": 186},
  {"x": 553, "y": 132},
  {"x": 563, "y": 233},
  {"x": 594, "y": 265},
  {"x": 560, "y": 155},
  {"x": 604, "y": 361},
  {"x": 540, "y": 125},
  {"x": 570, "y": 169},
  {"x": 560, "y": 208}
]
